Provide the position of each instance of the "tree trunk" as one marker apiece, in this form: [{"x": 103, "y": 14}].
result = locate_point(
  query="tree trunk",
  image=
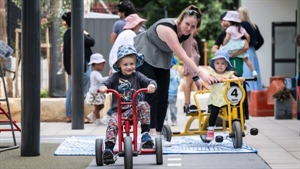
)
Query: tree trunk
[{"x": 5, "y": 64}]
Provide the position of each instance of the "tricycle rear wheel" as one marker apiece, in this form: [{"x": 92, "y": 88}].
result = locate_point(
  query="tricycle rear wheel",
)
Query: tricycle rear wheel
[
  {"x": 128, "y": 152},
  {"x": 99, "y": 151},
  {"x": 237, "y": 140}
]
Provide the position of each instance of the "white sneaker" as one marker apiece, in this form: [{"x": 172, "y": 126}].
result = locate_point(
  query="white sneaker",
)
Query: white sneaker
[
  {"x": 254, "y": 74},
  {"x": 105, "y": 119},
  {"x": 61, "y": 71},
  {"x": 165, "y": 143},
  {"x": 174, "y": 123},
  {"x": 91, "y": 117},
  {"x": 97, "y": 122},
  {"x": 166, "y": 122}
]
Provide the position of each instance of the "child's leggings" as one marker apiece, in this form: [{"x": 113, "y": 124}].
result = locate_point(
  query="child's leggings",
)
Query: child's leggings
[
  {"x": 143, "y": 115},
  {"x": 214, "y": 111}
]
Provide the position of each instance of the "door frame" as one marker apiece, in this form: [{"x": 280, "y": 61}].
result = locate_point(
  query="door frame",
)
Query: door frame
[{"x": 276, "y": 60}]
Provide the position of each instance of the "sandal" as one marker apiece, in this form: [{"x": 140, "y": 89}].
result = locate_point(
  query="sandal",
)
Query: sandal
[{"x": 87, "y": 121}]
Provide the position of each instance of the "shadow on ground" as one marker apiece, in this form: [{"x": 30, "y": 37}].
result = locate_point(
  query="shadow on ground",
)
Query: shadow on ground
[{"x": 12, "y": 159}]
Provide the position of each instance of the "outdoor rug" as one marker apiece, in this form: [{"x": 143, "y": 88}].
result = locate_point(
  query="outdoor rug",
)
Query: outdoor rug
[{"x": 85, "y": 146}]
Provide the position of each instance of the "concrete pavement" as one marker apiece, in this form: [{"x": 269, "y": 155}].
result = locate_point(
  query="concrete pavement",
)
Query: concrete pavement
[{"x": 278, "y": 141}]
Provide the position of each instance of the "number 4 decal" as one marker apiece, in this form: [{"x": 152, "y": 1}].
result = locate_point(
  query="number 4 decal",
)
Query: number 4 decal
[{"x": 234, "y": 93}]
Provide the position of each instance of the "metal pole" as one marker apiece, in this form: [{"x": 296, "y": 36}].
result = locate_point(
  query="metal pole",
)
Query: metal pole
[
  {"x": 77, "y": 59},
  {"x": 31, "y": 67},
  {"x": 298, "y": 55}
]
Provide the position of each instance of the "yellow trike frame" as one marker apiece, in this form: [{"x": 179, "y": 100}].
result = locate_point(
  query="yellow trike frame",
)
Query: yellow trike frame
[{"x": 227, "y": 113}]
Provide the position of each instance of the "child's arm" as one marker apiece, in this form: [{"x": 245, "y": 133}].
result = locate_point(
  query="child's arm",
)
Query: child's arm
[
  {"x": 235, "y": 77},
  {"x": 107, "y": 83},
  {"x": 226, "y": 39},
  {"x": 145, "y": 81},
  {"x": 101, "y": 79},
  {"x": 151, "y": 88},
  {"x": 247, "y": 36}
]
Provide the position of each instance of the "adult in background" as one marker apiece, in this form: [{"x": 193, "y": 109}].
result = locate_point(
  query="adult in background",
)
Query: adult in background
[
  {"x": 88, "y": 43},
  {"x": 125, "y": 8},
  {"x": 158, "y": 43},
  {"x": 187, "y": 88},
  {"x": 256, "y": 41}
]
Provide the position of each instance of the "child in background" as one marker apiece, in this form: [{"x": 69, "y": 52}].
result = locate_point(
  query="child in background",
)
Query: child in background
[
  {"x": 173, "y": 90},
  {"x": 126, "y": 81},
  {"x": 93, "y": 97},
  {"x": 233, "y": 41},
  {"x": 222, "y": 69}
]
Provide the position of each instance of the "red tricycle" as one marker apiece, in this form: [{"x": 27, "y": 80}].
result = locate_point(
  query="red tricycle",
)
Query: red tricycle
[{"x": 130, "y": 144}]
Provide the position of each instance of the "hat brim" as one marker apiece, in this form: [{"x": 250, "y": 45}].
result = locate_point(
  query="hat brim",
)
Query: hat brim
[
  {"x": 211, "y": 62},
  {"x": 139, "y": 61},
  {"x": 91, "y": 62}
]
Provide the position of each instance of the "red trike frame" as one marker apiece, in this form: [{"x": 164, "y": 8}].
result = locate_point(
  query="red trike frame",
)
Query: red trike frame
[{"x": 127, "y": 126}]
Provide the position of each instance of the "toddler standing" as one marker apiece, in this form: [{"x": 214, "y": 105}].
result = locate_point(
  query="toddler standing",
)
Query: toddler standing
[
  {"x": 93, "y": 97},
  {"x": 173, "y": 90}
]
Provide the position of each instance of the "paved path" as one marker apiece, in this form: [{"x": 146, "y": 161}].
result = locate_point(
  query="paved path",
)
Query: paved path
[{"x": 278, "y": 145}]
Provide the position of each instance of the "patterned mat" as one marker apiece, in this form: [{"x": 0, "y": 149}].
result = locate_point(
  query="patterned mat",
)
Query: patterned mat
[{"x": 85, "y": 146}]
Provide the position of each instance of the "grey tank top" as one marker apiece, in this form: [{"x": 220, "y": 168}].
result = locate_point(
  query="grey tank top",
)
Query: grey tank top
[{"x": 157, "y": 53}]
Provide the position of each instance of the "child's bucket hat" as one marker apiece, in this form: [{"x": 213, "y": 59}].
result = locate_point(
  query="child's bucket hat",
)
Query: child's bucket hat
[
  {"x": 222, "y": 53},
  {"x": 96, "y": 58},
  {"x": 125, "y": 50},
  {"x": 232, "y": 16}
]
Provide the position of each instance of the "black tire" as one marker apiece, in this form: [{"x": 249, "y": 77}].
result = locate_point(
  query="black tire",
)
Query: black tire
[
  {"x": 167, "y": 132},
  {"x": 99, "y": 152},
  {"x": 204, "y": 126},
  {"x": 159, "y": 151},
  {"x": 237, "y": 140},
  {"x": 128, "y": 152}
]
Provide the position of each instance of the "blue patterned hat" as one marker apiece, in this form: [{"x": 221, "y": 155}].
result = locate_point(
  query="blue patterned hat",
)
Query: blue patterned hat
[
  {"x": 125, "y": 50},
  {"x": 222, "y": 53}
]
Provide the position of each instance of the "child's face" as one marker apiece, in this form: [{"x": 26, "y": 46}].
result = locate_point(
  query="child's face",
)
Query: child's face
[
  {"x": 224, "y": 24},
  {"x": 98, "y": 66},
  {"x": 127, "y": 64},
  {"x": 220, "y": 65}
]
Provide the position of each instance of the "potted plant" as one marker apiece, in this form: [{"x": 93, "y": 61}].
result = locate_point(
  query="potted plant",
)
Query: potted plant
[{"x": 283, "y": 104}]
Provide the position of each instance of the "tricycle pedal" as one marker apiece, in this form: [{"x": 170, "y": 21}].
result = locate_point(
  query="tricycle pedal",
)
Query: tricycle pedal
[
  {"x": 253, "y": 131},
  {"x": 219, "y": 139}
]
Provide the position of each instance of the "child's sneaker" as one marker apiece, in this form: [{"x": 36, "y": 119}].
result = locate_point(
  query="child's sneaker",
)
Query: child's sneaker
[
  {"x": 146, "y": 140},
  {"x": 174, "y": 123},
  {"x": 254, "y": 74},
  {"x": 108, "y": 157},
  {"x": 61, "y": 71},
  {"x": 91, "y": 117},
  {"x": 210, "y": 135},
  {"x": 165, "y": 143},
  {"x": 97, "y": 122},
  {"x": 105, "y": 119},
  {"x": 166, "y": 122}
]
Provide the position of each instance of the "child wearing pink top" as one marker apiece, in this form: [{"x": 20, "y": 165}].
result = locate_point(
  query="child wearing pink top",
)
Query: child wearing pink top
[{"x": 233, "y": 40}]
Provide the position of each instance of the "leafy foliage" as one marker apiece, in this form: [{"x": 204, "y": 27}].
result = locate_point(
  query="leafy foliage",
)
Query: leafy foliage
[
  {"x": 282, "y": 94},
  {"x": 44, "y": 93}
]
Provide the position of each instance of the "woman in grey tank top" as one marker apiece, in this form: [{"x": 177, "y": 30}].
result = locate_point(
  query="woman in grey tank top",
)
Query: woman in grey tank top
[{"x": 158, "y": 43}]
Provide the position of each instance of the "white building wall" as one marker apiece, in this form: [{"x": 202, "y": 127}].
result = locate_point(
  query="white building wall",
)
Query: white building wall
[{"x": 263, "y": 13}]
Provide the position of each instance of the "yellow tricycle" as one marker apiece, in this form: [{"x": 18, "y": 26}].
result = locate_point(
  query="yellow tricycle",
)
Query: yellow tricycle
[{"x": 232, "y": 115}]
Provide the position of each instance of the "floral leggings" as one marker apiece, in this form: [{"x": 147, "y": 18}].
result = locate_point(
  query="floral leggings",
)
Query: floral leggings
[{"x": 143, "y": 115}]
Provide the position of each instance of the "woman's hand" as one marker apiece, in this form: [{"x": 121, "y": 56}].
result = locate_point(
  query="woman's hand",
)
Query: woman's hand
[
  {"x": 102, "y": 89},
  {"x": 209, "y": 79},
  {"x": 151, "y": 88},
  {"x": 199, "y": 84}
]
